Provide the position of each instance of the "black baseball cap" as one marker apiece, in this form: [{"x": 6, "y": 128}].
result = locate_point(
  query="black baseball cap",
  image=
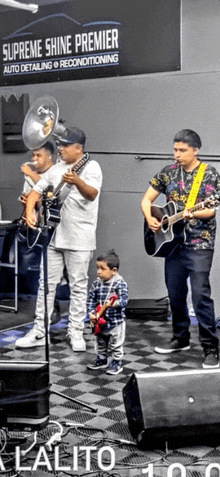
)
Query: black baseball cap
[{"x": 71, "y": 136}]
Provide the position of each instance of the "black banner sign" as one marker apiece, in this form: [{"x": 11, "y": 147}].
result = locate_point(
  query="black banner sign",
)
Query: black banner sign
[{"x": 80, "y": 39}]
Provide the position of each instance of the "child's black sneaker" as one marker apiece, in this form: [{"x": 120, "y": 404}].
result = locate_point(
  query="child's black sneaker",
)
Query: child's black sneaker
[
  {"x": 98, "y": 364},
  {"x": 115, "y": 367}
]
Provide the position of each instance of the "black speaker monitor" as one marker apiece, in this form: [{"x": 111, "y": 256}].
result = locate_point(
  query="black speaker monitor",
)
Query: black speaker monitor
[
  {"x": 170, "y": 406},
  {"x": 24, "y": 395}
]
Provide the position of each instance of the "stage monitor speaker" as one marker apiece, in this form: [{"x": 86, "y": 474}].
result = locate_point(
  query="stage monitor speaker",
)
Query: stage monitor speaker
[
  {"x": 148, "y": 309},
  {"x": 24, "y": 395},
  {"x": 174, "y": 408}
]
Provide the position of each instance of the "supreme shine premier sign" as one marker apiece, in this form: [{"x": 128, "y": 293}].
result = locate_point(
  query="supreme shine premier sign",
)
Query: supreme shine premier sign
[
  {"x": 16, "y": 54},
  {"x": 80, "y": 39}
]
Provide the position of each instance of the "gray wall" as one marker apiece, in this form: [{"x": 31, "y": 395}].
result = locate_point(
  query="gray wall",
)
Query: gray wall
[{"x": 124, "y": 117}]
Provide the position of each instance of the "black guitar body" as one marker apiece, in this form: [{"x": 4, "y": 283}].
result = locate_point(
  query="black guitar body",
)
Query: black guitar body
[
  {"x": 165, "y": 240},
  {"x": 53, "y": 213}
]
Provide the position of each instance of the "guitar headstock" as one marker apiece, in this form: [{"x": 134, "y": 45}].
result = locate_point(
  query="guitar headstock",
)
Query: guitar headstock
[{"x": 213, "y": 201}]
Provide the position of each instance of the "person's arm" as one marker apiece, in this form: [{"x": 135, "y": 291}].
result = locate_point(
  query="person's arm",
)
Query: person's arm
[
  {"x": 146, "y": 204},
  {"x": 27, "y": 171},
  {"x": 32, "y": 199},
  {"x": 23, "y": 198},
  {"x": 199, "y": 214},
  {"x": 122, "y": 295},
  {"x": 87, "y": 191}
]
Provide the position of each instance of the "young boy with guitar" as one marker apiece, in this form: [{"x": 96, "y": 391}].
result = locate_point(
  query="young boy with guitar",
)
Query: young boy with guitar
[
  {"x": 189, "y": 186},
  {"x": 106, "y": 309}
]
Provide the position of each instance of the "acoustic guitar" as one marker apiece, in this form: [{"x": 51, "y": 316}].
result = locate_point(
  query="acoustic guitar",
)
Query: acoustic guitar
[{"x": 171, "y": 232}]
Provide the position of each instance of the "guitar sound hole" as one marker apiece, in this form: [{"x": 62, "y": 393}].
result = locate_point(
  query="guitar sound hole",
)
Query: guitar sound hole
[{"x": 164, "y": 224}]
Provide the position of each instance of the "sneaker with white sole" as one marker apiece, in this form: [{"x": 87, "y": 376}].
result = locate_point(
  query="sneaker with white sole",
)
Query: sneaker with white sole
[
  {"x": 211, "y": 358},
  {"x": 114, "y": 367},
  {"x": 76, "y": 339},
  {"x": 32, "y": 339},
  {"x": 173, "y": 346},
  {"x": 99, "y": 363}
]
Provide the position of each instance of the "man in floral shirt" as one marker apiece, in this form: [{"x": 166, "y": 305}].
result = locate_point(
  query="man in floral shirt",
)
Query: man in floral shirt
[{"x": 193, "y": 256}]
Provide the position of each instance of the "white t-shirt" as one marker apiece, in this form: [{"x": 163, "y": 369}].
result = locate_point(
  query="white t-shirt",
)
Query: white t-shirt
[
  {"x": 28, "y": 185},
  {"x": 77, "y": 227}
]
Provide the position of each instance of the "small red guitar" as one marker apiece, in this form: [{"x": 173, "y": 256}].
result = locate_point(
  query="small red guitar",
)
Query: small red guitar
[{"x": 99, "y": 312}]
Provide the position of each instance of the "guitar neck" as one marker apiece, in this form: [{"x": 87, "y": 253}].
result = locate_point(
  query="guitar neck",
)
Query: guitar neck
[
  {"x": 102, "y": 310},
  {"x": 180, "y": 215},
  {"x": 75, "y": 168},
  {"x": 103, "y": 307},
  {"x": 58, "y": 189}
]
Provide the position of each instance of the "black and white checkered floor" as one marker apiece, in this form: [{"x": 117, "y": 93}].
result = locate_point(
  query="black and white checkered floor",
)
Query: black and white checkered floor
[{"x": 83, "y": 442}]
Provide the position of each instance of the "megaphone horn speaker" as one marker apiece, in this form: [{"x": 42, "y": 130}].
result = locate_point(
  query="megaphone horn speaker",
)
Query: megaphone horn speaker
[{"x": 41, "y": 122}]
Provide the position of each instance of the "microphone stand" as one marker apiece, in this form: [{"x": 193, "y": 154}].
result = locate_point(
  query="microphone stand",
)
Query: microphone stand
[{"x": 46, "y": 203}]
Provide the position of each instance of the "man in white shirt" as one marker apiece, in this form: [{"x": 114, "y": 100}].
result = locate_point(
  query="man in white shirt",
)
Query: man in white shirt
[{"x": 74, "y": 238}]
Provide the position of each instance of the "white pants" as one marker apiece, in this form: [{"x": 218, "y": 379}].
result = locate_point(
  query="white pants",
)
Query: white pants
[{"x": 77, "y": 264}]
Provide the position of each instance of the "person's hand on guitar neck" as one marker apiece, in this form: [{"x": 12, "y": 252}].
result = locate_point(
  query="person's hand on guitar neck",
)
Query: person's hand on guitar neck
[
  {"x": 87, "y": 191},
  {"x": 199, "y": 214},
  {"x": 188, "y": 214}
]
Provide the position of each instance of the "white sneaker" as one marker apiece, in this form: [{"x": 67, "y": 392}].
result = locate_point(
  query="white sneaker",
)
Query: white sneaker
[
  {"x": 32, "y": 339},
  {"x": 77, "y": 341}
]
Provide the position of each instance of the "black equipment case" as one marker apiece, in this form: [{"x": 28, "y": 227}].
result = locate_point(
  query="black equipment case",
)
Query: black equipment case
[{"x": 148, "y": 308}]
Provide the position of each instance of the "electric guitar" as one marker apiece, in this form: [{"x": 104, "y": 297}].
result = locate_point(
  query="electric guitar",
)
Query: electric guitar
[
  {"x": 171, "y": 232},
  {"x": 54, "y": 203},
  {"x": 50, "y": 205},
  {"x": 99, "y": 312}
]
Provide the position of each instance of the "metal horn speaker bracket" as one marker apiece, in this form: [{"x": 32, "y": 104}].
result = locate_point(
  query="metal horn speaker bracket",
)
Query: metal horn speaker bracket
[{"x": 41, "y": 122}]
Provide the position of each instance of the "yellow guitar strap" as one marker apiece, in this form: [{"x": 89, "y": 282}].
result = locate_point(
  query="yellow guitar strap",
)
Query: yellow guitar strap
[{"x": 196, "y": 186}]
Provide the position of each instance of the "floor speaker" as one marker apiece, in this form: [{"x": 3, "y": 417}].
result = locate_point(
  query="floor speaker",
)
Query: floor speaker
[
  {"x": 24, "y": 395},
  {"x": 173, "y": 408}
]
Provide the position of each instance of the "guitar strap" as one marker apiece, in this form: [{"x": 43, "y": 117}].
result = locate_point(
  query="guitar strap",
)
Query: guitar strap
[
  {"x": 198, "y": 178},
  {"x": 78, "y": 168}
]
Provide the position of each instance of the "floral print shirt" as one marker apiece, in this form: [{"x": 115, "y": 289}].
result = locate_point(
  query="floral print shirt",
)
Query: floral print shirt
[{"x": 176, "y": 183}]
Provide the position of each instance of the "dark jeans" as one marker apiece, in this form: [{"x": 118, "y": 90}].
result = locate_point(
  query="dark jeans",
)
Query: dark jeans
[{"x": 196, "y": 265}]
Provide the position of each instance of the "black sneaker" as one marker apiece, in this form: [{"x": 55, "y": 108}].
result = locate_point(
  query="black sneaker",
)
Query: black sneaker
[
  {"x": 115, "y": 367},
  {"x": 211, "y": 358},
  {"x": 98, "y": 364},
  {"x": 173, "y": 346}
]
